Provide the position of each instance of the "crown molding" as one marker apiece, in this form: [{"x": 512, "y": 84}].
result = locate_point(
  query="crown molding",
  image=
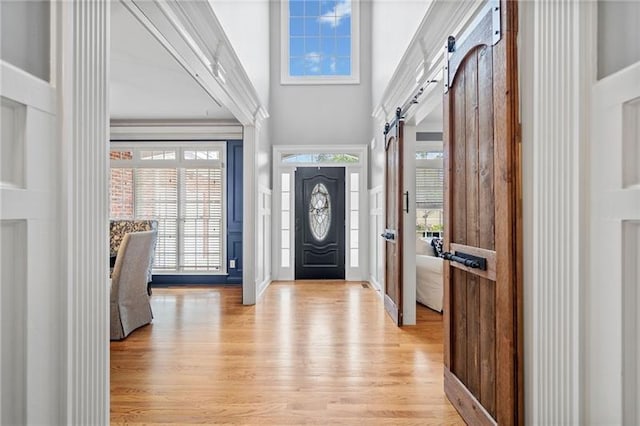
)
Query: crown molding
[
  {"x": 192, "y": 34},
  {"x": 424, "y": 58}
]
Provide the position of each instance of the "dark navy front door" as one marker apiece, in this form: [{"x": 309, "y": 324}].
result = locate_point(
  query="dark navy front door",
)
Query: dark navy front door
[{"x": 320, "y": 250}]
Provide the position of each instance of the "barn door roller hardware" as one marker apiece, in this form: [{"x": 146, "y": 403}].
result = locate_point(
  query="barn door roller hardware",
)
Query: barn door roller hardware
[{"x": 496, "y": 34}]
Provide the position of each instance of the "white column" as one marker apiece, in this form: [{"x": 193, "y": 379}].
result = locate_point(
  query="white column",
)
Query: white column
[
  {"x": 249, "y": 215},
  {"x": 555, "y": 97},
  {"x": 83, "y": 82}
]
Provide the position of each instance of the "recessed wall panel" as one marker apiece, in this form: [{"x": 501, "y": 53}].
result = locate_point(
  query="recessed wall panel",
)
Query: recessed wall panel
[
  {"x": 12, "y": 143},
  {"x": 631, "y": 321},
  {"x": 631, "y": 143},
  {"x": 13, "y": 317}
]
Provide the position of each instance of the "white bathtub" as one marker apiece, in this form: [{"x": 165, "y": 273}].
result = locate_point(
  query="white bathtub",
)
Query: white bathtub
[{"x": 429, "y": 286}]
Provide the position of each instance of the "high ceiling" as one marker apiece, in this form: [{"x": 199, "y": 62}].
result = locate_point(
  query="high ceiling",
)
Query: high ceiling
[{"x": 147, "y": 82}]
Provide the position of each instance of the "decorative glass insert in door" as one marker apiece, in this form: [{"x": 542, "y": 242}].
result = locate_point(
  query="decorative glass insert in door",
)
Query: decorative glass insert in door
[{"x": 320, "y": 212}]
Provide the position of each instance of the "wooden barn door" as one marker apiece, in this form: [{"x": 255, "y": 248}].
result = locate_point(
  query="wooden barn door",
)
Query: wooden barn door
[
  {"x": 481, "y": 227},
  {"x": 393, "y": 220}
]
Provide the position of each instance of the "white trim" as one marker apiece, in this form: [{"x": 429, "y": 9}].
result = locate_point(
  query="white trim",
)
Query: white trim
[
  {"x": 358, "y": 273},
  {"x": 126, "y": 130},
  {"x": 442, "y": 19},
  {"x": 188, "y": 30},
  {"x": 287, "y": 79},
  {"x": 249, "y": 214},
  {"x": 376, "y": 227}
]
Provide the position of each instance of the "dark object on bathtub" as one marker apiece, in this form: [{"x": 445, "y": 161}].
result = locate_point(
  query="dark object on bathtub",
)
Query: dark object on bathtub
[{"x": 436, "y": 244}]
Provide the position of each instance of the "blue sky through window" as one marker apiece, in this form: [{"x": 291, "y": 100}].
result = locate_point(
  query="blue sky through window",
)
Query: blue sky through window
[{"x": 319, "y": 38}]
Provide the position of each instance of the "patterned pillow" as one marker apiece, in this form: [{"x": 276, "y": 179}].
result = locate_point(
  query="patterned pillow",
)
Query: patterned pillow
[{"x": 436, "y": 243}]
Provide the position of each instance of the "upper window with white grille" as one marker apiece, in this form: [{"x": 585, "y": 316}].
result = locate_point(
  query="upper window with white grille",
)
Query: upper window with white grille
[{"x": 320, "y": 41}]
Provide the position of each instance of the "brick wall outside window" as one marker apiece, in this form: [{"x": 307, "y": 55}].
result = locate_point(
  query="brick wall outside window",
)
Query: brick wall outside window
[{"x": 121, "y": 188}]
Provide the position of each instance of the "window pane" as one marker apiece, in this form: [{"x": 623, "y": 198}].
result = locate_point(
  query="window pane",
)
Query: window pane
[
  {"x": 312, "y": 7},
  {"x": 343, "y": 46},
  {"x": 343, "y": 25},
  {"x": 296, "y": 8},
  {"x": 312, "y": 46},
  {"x": 354, "y": 238},
  {"x": 329, "y": 64},
  {"x": 284, "y": 256},
  {"x": 296, "y": 46},
  {"x": 354, "y": 220},
  {"x": 354, "y": 201},
  {"x": 296, "y": 26},
  {"x": 285, "y": 220},
  {"x": 121, "y": 155},
  {"x": 343, "y": 66},
  {"x": 311, "y": 26},
  {"x": 312, "y": 64},
  {"x": 285, "y": 201},
  {"x": 284, "y": 239},
  {"x": 285, "y": 182},
  {"x": 355, "y": 181},
  {"x": 296, "y": 66},
  {"x": 354, "y": 258}
]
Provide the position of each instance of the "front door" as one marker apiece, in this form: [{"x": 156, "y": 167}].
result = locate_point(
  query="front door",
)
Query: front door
[
  {"x": 393, "y": 220},
  {"x": 481, "y": 184},
  {"x": 320, "y": 241}
]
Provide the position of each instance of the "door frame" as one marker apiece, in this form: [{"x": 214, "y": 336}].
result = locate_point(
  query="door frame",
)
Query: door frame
[{"x": 280, "y": 167}]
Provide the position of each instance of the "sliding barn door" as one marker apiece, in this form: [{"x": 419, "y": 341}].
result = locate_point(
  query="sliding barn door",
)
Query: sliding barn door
[
  {"x": 481, "y": 175},
  {"x": 393, "y": 221}
]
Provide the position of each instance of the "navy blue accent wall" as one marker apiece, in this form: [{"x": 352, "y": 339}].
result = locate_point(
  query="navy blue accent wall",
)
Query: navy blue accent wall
[
  {"x": 234, "y": 211},
  {"x": 234, "y": 228}
]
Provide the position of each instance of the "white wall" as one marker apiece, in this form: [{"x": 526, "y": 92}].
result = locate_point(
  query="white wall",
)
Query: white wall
[
  {"x": 321, "y": 114},
  {"x": 246, "y": 24},
  {"x": 393, "y": 24}
]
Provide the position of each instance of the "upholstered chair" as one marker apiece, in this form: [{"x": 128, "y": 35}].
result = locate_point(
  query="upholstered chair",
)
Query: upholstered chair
[{"x": 130, "y": 307}]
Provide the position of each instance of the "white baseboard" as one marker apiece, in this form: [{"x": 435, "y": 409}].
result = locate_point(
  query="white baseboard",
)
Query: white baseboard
[
  {"x": 376, "y": 285},
  {"x": 262, "y": 287}
]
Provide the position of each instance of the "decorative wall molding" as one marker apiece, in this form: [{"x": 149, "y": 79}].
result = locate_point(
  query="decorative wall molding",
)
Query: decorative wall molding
[
  {"x": 84, "y": 78},
  {"x": 376, "y": 227},
  {"x": 192, "y": 34},
  {"x": 263, "y": 270},
  {"x": 424, "y": 58},
  {"x": 175, "y": 130},
  {"x": 555, "y": 97}
]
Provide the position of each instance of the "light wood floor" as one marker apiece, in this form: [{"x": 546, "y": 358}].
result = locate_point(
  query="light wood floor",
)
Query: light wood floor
[{"x": 309, "y": 353}]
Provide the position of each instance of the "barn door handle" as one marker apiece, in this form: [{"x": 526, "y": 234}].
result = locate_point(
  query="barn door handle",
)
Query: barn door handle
[
  {"x": 467, "y": 260},
  {"x": 406, "y": 201}
]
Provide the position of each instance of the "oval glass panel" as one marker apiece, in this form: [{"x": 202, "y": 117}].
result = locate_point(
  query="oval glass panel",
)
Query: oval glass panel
[{"x": 320, "y": 212}]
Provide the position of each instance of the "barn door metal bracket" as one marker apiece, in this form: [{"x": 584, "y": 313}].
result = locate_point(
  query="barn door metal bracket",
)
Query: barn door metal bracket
[
  {"x": 467, "y": 260},
  {"x": 448, "y": 50},
  {"x": 389, "y": 235},
  {"x": 495, "y": 14}
]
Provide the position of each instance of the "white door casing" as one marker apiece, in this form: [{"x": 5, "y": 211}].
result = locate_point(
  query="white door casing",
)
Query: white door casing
[{"x": 613, "y": 338}]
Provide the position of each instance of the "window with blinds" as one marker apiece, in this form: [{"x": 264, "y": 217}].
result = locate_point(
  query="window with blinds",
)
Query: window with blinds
[
  {"x": 429, "y": 201},
  {"x": 185, "y": 193}
]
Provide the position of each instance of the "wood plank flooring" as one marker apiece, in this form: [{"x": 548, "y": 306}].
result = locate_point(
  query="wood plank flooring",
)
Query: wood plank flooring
[{"x": 309, "y": 353}]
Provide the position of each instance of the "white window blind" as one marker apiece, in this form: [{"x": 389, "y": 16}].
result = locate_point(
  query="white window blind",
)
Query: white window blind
[
  {"x": 429, "y": 188},
  {"x": 156, "y": 196},
  {"x": 201, "y": 215},
  {"x": 184, "y": 190}
]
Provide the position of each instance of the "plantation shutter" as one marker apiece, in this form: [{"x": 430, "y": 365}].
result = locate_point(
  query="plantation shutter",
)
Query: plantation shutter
[
  {"x": 156, "y": 197},
  {"x": 429, "y": 188},
  {"x": 201, "y": 213}
]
